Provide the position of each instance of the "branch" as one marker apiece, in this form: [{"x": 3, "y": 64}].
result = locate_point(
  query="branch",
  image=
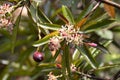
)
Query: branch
[
  {"x": 116, "y": 76},
  {"x": 110, "y": 3},
  {"x": 94, "y": 8},
  {"x": 91, "y": 77}
]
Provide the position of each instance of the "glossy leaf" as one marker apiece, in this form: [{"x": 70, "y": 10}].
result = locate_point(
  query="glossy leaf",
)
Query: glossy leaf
[
  {"x": 76, "y": 54},
  {"x": 87, "y": 55},
  {"x": 66, "y": 62},
  {"x": 50, "y": 26},
  {"x": 95, "y": 52},
  {"x": 108, "y": 66},
  {"x": 106, "y": 34},
  {"x": 68, "y": 14},
  {"x": 98, "y": 25},
  {"x": 84, "y": 13},
  {"x": 45, "y": 39},
  {"x": 82, "y": 18}
]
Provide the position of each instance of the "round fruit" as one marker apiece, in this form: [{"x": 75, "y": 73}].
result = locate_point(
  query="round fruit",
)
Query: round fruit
[{"x": 38, "y": 56}]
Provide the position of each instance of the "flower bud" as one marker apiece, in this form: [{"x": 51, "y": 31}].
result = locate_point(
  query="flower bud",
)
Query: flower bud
[{"x": 92, "y": 44}]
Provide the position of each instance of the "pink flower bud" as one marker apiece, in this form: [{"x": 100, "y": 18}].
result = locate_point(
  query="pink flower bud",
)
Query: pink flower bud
[{"x": 92, "y": 44}]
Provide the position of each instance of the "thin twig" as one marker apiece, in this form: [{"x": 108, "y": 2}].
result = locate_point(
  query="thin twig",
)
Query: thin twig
[
  {"x": 91, "y": 77},
  {"x": 110, "y": 3},
  {"x": 94, "y": 8}
]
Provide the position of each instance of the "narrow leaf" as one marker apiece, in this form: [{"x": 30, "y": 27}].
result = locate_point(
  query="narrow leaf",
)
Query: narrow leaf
[
  {"x": 50, "y": 26},
  {"x": 42, "y": 16},
  {"x": 45, "y": 39},
  {"x": 88, "y": 56},
  {"x": 108, "y": 66},
  {"x": 98, "y": 24},
  {"x": 84, "y": 13},
  {"x": 15, "y": 31},
  {"x": 63, "y": 18},
  {"x": 76, "y": 55},
  {"x": 66, "y": 62},
  {"x": 82, "y": 18},
  {"x": 80, "y": 23},
  {"x": 32, "y": 13},
  {"x": 110, "y": 10},
  {"x": 68, "y": 14},
  {"x": 5, "y": 33},
  {"x": 106, "y": 34}
]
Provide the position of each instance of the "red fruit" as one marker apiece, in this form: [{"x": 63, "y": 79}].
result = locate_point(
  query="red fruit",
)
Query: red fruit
[{"x": 38, "y": 56}]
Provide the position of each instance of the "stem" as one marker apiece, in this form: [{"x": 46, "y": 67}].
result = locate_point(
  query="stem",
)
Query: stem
[
  {"x": 94, "y": 8},
  {"x": 66, "y": 62},
  {"x": 91, "y": 77},
  {"x": 110, "y": 3}
]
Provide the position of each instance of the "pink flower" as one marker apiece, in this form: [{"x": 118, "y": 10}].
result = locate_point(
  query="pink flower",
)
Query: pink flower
[
  {"x": 6, "y": 23},
  {"x": 54, "y": 43},
  {"x": 63, "y": 33},
  {"x": 5, "y": 8},
  {"x": 5, "y": 17}
]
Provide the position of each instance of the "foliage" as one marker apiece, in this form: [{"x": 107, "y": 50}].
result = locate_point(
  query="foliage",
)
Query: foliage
[{"x": 78, "y": 39}]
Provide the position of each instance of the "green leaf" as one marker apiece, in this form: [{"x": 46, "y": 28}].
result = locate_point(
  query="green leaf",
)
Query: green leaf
[
  {"x": 95, "y": 51},
  {"x": 88, "y": 56},
  {"x": 5, "y": 33},
  {"x": 5, "y": 47},
  {"x": 98, "y": 24},
  {"x": 25, "y": 54},
  {"x": 50, "y": 26},
  {"x": 68, "y": 14},
  {"x": 76, "y": 55},
  {"x": 42, "y": 16},
  {"x": 84, "y": 12},
  {"x": 106, "y": 34},
  {"x": 66, "y": 62},
  {"x": 108, "y": 66},
  {"x": 15, "y": 31},
  {"x": 32, "y": 13},
  {"x": 102, "y": 48},
  {"x": 45, "y": 39}
]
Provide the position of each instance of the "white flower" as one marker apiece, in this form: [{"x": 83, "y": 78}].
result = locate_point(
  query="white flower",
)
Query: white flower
[
  {"x": 51, "y": 76},
  {"x": 54, "y": 43},
  {"x": 5, "y": 8},
  {"x": 71, "y": 35},
  {"x": 73, "y": 68}
]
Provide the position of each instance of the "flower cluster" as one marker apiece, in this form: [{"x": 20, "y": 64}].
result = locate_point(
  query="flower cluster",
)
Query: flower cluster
[
  {"x": 51, "y": 76},
  {"x": 67, "y": 33},
  {"x": 54, "y": 43},
  {"x": 5, "y": 8},
  {"x": 5, "y": 17}
]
